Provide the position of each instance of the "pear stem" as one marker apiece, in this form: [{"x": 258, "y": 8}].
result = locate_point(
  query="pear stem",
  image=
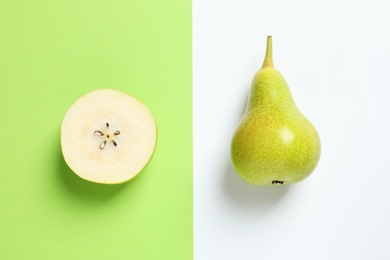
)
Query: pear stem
[{"x": 268, "y": 63}]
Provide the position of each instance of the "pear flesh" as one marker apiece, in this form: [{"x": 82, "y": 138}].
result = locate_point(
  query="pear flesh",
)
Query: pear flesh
[
  {"x": 108, "y": 136},
  {"x": 275, "y": 143}
]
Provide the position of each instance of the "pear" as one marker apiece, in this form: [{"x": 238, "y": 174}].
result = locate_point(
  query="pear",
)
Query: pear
[
  {"x": 274, "y": 143},
  {"x": 108, "y": 136}
]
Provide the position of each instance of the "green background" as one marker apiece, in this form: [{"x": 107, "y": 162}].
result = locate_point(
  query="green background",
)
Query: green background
[{"x": 53, "y": 52}]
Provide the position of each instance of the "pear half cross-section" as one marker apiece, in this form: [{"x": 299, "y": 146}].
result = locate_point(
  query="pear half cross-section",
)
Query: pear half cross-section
[{"x": 108, "y": 136}]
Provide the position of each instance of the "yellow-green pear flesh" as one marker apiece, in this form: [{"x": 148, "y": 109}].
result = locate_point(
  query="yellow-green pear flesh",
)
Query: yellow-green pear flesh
[
  {"x": 108, "y": 136},
  {"x": 275, "y": 143}
]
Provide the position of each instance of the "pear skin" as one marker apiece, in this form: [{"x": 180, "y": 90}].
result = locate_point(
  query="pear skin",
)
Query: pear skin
[{"x": 274, "y": 143}]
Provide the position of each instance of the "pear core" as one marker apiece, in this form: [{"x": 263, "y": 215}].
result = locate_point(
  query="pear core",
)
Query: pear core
[
  {"x": 275, "y": 143},
  {"x": 108, "y": 136}
]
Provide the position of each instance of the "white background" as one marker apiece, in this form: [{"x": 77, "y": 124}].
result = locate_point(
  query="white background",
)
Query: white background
[{"x": 335, "y": 55}]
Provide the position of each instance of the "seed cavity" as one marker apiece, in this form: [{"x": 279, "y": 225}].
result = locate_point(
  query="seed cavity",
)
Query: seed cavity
[
  {"x": 107, "y": 135},
  {"x": 277, "y": 182},
  {"x": 103, "y": 144},
  {"x": 98, "y": 133}
]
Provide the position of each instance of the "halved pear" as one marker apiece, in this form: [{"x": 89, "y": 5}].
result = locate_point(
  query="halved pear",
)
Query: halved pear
[{"x": 108, "y": 136}]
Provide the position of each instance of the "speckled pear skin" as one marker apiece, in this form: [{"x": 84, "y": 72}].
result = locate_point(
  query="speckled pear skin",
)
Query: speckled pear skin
[{"x": 275, "y": 143}]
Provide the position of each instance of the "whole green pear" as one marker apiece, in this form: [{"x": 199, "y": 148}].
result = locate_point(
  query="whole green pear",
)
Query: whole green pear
[{"x": 274, "y": 143}]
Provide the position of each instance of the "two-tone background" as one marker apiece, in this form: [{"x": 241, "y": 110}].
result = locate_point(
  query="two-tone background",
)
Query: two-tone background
[{"x": 192, "y": 63}]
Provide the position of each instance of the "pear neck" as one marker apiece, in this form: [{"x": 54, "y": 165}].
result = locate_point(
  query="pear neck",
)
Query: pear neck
[
  {"x": 268, "y": 62},
  {"x": 269, "y": 89}
]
